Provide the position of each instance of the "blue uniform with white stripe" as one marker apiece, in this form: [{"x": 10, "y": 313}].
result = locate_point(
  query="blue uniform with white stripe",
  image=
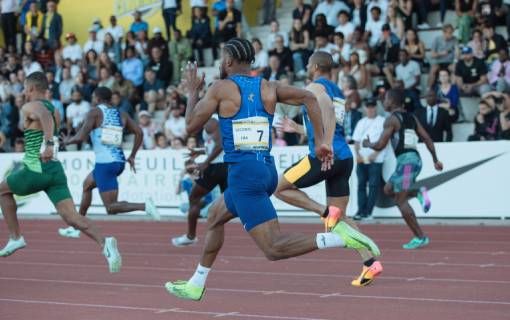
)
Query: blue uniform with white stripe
[
  {"x": 252, "y": 176},
  {"x": 110, "y": 160}
]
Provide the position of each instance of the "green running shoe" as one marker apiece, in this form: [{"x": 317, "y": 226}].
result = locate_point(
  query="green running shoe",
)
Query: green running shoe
[
  {"x": 354, "y": 239},
  {"x": 416, "y": 243},
  {"x": 185, "y": 290}
]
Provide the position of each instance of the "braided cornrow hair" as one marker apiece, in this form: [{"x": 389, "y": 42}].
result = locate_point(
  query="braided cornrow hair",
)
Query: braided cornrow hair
[{"x": 240, "y": 49}]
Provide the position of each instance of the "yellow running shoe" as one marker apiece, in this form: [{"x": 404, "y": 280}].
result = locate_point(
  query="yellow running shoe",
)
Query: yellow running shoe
[
  {"x": 185, "y": 290},
  {"x": 368, "y": 275}
]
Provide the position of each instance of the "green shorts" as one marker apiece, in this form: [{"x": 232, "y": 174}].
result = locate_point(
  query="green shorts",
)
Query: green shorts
[
  {"x": 408, "y": 168},
  {"x": 52, "y": 181}
]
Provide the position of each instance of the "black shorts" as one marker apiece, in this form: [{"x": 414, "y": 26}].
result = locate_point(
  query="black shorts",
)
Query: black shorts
[
  {"x": 216, "y": 174},
  {"x": 307, "y": 172}
]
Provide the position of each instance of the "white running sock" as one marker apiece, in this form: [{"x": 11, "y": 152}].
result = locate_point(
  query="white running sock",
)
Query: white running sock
[
  {"x": 199, "y": 277},
  {"x": 329, "y": 240}
]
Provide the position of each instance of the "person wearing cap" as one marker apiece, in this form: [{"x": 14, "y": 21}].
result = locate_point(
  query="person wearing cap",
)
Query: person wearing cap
[
  {"x": 115, "y": 30},
  {"x": 52, "y": 25},
  {"x": 149, "y": 129},
  {"x": 471, "y": 74},
  {"x": 138, "y": 24},
  {"x": 93, "y": 42},
  {"x": 170, "y": 10},
  {"x": 369, "y": 162},
  {"x": 157, "y": 40},
  {"x": 99, "y": 29},
  {"x": 344, "y": 25},
  {"x": 72, "y": 50}
]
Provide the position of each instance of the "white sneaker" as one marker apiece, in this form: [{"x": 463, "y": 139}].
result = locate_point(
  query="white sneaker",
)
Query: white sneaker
[
  {"x": 183, "y": 241},
  {"x": 151, "y": 209},
  {"x": 423, "y": 26},
  {"x": 13, "y": 245},
  {"x": 69, "y": 232},
  {"x": 112, "y": 254}
]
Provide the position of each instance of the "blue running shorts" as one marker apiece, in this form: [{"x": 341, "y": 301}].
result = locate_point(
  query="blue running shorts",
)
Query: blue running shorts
[{"x": 105, "y": 175}]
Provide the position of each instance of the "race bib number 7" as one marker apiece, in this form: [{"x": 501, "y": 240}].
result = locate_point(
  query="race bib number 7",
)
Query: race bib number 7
[
  {"x": 251, "y": 134},
  {"x": 111, "y": 135}
]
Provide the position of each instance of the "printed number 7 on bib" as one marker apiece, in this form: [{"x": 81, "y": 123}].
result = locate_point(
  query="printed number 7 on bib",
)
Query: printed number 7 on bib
[{"x": 251, "y": 134}]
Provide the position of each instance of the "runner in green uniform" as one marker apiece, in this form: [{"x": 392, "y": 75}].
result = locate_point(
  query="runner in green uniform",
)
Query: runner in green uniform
[{"x": 41, "y": 171}]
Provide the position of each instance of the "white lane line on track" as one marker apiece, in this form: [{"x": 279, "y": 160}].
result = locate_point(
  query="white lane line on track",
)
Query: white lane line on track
[
  {"x": 252, "y": 245},
  {"x": 261, "y": 273},
  {"x": 154, "y": 310},
  {"x": 265, "y": 292},
  {"x": 299, "y": 259}
]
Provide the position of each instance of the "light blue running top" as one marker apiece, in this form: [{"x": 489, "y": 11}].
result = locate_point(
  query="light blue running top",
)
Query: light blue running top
[{"x": 107, "y": 153}]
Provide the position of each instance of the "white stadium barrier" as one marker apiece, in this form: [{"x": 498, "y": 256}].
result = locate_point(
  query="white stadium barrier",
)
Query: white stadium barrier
[{"x": 474, "y": 184}]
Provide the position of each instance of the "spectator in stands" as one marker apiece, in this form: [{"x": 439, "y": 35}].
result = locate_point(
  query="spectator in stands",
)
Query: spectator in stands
[
  {"x": 9, "y": 118},
  {"x": 105, "y": 78},
  {"x": 359, "y": 72},
  {"x": 493, "y": 42},
  {"x": 353, "y": 103},
  {"x": 29, "y": 65},
  {"x": 19, "y": 145},
  {"x": 477, "y": 43},
  {"x": 177, "y": 143},
  {"x": 93, "y": 42},
  {"x": 285, "y": 56},
  {"x": 269, "y": 14},
  {"x": 72, "y": 50},
  {"x": 387, "y": 50},
  {"x": 52, "y": 25},
  {"x": 138, "y": 24},
  {"x": 175, "y": 124},
  {"x": 141, "y": 46},
  {"x": 303, "y": 12},
  {"x": 423, "y": 7},
  {"x": 106, "y": 62},
  {"x": 342, "y": 51},
  {"x": 122, "y": 104},
  {"x": 330, "y": 9},
  {"x": 76, "y": 112},
  {"x": 396, "y": 23},
  {"x": 11, "y": 66},
  {"x": 275, "y": 31},
  {"x": 52, "y": 85},
  {"x": 157, "y": 40},
  {"x": 486, "y": 123},
  {"x": 200, "y": 34},
  {"x": 8, "y": 10},
  {"x": 84, "y": 85},
  {"x": 359, "y": 14},
  {"x": 273, "y": 72},
  {"x": 59, "y": 106},
  {"x": 369, "y": 162},
  {"x": 229, "y": 22},
  {"x": 435, "y": 120},
  {"x": 96, "y": 24},
  {"x": 115, "y": 30},
  {"x": 344, "y": 25},
  {"x": 448, "y": 94},
  {"x": 151, "y": 83},
  {"x": 261, "y": 57},
  {"x": 381, "y": 4},
  {"x": 132, "y": 68},
  {"x": 471, "y": 74},
  {"x": 112, "y": 48},
  {"x": 33, "y": 23},
  {"x": 466, "y": 10},
  {"x": 66, "y": 86},
  {"x": 149, "y": 129},
  {"x": 16, "y": 84},
  {"x": 499, "y": 74},
  {"x": 299, "y": 44},
  {"x": 161, "y": 141},
  {"x": 90, "y": 66},
  {"x": 180, "y": 53},
  {"x": 161, "y": 66},
  {"x": 170, "y": 9},
  {"x": 414, "y": 46},
  {"x": 503, "y": 105},
  {"x": 443, "y": 53},
  {"x": 373, "y": 28},
  {"x": 405, "y": 10},
  {"x": 322, "y": 27},
  {"x": 123, "y": 86}
]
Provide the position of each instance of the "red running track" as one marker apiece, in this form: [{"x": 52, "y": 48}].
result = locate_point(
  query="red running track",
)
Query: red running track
[{"x": 461, "y": 275}]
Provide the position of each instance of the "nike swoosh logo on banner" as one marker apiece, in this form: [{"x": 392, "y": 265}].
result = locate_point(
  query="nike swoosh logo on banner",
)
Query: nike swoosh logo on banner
[{"x": 384, "y": 201}]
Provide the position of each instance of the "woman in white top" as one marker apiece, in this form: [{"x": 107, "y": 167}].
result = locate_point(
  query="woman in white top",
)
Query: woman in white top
[
  {"x": 359, "y": 72},
  {"x": 261, "y": 57},
  {"x": 396, "y": 23}
]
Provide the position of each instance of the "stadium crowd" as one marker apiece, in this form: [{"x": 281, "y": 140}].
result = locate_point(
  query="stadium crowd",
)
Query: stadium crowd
[{"x": 375, "y": 45}]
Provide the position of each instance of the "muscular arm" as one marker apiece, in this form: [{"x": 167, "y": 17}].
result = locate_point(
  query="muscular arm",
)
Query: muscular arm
[
  {"x": 297, "y": 97},
  {"x": 424, "y": 136},
  {"x": 327, "y": 110},
  {"x": 35, "y": 111},
  {"x": 133, "y": 128},
  {"x": 88, "y": 125},
  {"x": 390, "y": 126},
  {"x": 199, "y": 112}
]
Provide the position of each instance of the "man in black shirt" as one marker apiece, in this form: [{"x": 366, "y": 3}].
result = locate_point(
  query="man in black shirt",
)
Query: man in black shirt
[
  {"x": 284, "y": 54},
  {"x": 303, "y": 12},
  {"x": 161, "y": 66},
  {"x": 229, "y": 22},
  {"x": 471, "y": 74}
]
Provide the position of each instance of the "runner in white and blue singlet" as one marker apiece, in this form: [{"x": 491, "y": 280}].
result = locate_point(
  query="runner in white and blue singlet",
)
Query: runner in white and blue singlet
[
  {"x": 246, "y": 106},
  {"x": 105, "y": 125}
]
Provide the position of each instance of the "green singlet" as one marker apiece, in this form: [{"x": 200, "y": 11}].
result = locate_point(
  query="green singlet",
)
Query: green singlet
[{"x": 36, "y": 175}]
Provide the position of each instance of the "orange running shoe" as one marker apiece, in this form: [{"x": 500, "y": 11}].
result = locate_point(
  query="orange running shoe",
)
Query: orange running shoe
[
  {"x": 368, "y": 275},
  {"x": 332, "y": 219}
]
